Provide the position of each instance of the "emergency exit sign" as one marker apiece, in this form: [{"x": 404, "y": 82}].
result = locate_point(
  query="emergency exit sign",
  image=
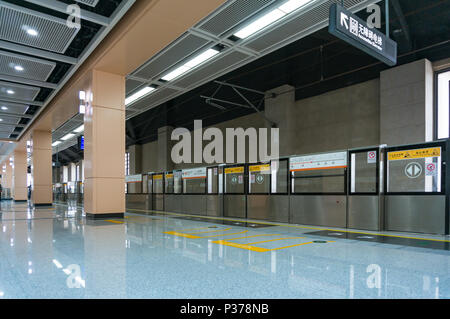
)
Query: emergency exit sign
[{"x": 348, "y": 27}]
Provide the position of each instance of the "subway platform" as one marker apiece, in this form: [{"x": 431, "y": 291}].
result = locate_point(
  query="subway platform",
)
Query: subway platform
[{"x": 57, "y": 253}]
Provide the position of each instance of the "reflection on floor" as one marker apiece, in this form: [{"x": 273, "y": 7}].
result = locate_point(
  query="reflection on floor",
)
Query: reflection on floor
[{"x": 57, "y": 253}]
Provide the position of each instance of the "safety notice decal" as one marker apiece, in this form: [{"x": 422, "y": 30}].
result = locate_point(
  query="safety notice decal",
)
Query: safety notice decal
[{"x": 411, "y": 154}]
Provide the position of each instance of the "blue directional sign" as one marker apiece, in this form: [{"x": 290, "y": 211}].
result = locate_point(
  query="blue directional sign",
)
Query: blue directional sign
[{"x": 348, "y": 27}]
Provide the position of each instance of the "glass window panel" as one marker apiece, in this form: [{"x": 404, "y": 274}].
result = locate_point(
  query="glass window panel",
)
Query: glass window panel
[
  {"x": 319, "y": 181},
  {"x": 169, "y": 183},
  {"x": 364, "y": 173},
  {"x": 234, "y": 180},
  {"x": 443, "y": 117},
  {"x": 158, "y": 186},
  {"x": 259, "y": 179},
  {"x": 194, "y": 186},
  {"x": 414, "y": 175},
  {"x": 213, "y": 180},
  {"x": 177, "y": 182},
  {"x": 279, "y": 176}
]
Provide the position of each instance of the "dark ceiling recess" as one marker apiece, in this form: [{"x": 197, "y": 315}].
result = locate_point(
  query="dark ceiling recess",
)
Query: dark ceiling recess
[
  {"x": 313, "y": 65},
  {"x": 69, "y": 155}
]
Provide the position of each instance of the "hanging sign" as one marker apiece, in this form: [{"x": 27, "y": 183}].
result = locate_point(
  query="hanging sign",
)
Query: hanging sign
[
  {"x": 417, "y": 153},
  {"x": 319, "y": 161},
  {"x": 348, "y": 27},
  {"x": 192, "y": 173}
]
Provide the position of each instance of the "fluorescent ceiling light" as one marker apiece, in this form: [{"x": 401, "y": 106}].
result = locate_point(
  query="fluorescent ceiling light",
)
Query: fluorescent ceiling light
[
  {"x": 208, "y": 54},
  {"x": 82, "y": 95},
  {"x": 79, "y": 129},
  {"x": 1, "y": 120},
  {"x": 176, "y": 73},
  {"x": 292, "y": 5},
  {"x": 56, "y": 143},
  {"x": 68, "y": 136},
  {"x": 270, "y": 17},
  {"x": 32, "y": 32},
  {"x": 4, "y": 108},
  {"x": 139, "y": 94},
  {"x": 259, "y": 24},
  {"x": 10, "y": 91},
  {"x": 192, "y": 63}
]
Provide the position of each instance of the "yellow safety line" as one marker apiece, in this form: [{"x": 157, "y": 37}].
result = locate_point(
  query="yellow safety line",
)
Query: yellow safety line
[
  {"x": 189, "y": 229},
  {"x": 174, "y": 233},
  {"x": 211, "y": 231},
  {"x": 254, "y": 236},
  {"x": 291, "y": 226},
  {"x": 266, "y": 241},
  {"x": 242, "y": 246},
  {"x": 293, "y": 246},
  {"x": 242, "y": 232},
  {"x": 113, "y": 221}
]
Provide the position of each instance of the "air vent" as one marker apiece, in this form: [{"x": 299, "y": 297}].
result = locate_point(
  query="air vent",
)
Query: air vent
[
  {"x": 17, "y": 91},
  {"x": 9, "y": 120},
  {"x": 91, "y": 3},
  {"x": 25, "y": 67},
  {"x": 28, "y": 27},
  {"x": 231, "y": 15},
  {"x": 179, "y": 50}
]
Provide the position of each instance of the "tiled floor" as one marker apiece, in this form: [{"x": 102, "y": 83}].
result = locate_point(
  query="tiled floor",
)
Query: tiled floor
[{"x": 56, "y": 253}]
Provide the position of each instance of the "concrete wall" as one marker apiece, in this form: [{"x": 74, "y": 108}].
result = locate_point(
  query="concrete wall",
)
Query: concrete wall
[
  {"x": 395, "y": 109},
  {"x": 406, "y": 105}
]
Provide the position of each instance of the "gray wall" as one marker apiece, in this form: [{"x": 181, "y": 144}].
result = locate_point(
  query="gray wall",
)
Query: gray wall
[{"x": 395, "y": 109}]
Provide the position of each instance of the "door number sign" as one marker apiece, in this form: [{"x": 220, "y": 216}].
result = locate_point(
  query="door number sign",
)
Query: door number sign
[{"x": 413, "y": 170}]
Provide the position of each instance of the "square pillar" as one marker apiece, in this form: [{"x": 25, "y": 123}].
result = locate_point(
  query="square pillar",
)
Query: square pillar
[
  {"x": 20, "y": 174},
  {"x": 104, "y": 154},
  {"x": 41, "y": 168}
]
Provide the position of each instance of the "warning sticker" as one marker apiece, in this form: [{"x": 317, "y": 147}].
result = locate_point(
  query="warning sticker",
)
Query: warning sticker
[
  {"x": 169, "y": 175},
  {"x": 234, "y": 170},
  {"x": 159, "y": 176},
  {"x": 259, "y": 168},
  {"x": 431, "y": 169},
  {"x": 371, "y": 157},
  {"x": 418, "y": 153}
]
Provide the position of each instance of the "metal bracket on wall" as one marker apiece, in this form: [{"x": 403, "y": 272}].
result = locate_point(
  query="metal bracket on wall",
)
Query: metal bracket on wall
[{"x": 213, "y": 101}]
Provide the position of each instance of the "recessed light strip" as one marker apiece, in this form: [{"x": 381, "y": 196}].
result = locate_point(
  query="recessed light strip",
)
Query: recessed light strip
[
  {"x": 270, "y": 17},
  {"x": 189, "y": 65},
  {"x": 139, "y": 94}
]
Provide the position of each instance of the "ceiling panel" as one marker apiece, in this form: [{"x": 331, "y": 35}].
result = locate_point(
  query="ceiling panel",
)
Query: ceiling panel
[
  {"x": 179, "y": 50},
  {"x": 13, "y": 107},
  {"x": 154, "y": 99},
  {"x": 22, "y": 92},
  {"x": 231, "y": 15},
  {"x": 52, "y": 33},
  {"x": 303, "y": 24},
  {"x": 91, "y": 3},
  {"x": 208, "y": 70},
  {"x": 32, "y": 68},
  {"x": 9, "y": 120},
  {"x": 131, "y": 85}
]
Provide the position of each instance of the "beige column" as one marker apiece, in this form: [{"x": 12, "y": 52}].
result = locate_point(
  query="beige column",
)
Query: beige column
[
  {"x": 41, "y": 168},
  {"x": 104, "y": 154},
  {"x": 20, "y": 174}
]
